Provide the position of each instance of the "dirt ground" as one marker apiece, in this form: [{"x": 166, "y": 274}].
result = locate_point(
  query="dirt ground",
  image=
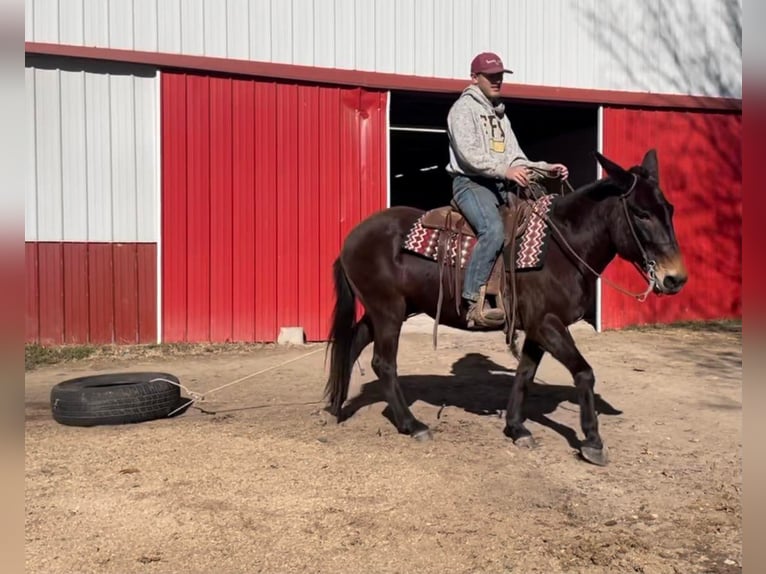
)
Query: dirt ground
[{"x": 260, "y": 479}]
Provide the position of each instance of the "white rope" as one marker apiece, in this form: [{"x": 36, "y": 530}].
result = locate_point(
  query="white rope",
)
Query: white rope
[{"x": 201, "y": 396}]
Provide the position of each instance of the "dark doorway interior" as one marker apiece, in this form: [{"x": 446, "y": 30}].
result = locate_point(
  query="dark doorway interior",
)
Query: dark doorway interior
[{"x": 555, "y": 132}]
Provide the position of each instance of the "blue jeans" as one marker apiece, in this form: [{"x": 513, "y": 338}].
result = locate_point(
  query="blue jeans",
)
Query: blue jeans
[{"x": 479, "y": 200}]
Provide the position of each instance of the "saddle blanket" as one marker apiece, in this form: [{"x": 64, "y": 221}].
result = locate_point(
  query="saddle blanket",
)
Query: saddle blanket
[{"x": 530, "y": 249}]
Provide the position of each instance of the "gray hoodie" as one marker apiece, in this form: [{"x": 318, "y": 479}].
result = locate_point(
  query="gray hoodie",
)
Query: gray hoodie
[{"x": 482, "y": 142}]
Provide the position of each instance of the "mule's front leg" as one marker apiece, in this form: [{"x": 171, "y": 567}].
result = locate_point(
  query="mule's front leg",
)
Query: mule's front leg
[
  {"x": 525, "y": 373},
  {"x": 558, "y": 341}
]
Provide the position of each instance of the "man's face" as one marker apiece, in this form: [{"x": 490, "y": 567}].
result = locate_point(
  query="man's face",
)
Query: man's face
[{"x": 489, "y": 84}]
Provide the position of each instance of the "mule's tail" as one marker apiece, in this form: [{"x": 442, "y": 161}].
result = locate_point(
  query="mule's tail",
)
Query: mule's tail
[{"x": 341, "y": 338}]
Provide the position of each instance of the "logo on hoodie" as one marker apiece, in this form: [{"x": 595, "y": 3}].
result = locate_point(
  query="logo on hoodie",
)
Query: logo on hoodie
[{"x": 494, "y": 131}]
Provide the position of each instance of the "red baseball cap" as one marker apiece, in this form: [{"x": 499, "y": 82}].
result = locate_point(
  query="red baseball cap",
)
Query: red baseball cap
[{"x": 488, "y": 63}]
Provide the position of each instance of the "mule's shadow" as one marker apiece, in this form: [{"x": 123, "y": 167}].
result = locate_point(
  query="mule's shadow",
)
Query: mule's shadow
[{"x": 481, "y": 386}]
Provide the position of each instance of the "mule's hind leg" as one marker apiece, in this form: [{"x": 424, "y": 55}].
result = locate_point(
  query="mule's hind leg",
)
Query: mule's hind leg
[
  {"x": 362, "y": 336},
  {"x": 531, "y": 354},
  {"x": 558, "y": 341},
  {"x": 386, "y": 346}
]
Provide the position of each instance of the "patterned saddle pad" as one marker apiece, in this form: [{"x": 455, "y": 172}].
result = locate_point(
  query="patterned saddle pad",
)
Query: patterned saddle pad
[{"x": 530, "y": 250}]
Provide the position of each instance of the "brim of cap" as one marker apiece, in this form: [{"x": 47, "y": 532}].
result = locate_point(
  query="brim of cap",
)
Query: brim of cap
[{"x": 495, "y": 71}]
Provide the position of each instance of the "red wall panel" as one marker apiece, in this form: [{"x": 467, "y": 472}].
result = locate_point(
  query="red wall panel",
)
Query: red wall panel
[
  {"x": 243, "y": 211},
  {"x": 260, "y": 184},
  {"x": 100, "y": 293},
  {"x": 76, "y": 314},
  {"x": 701, "y": 174},
  {"x": 32, "y": 319}
]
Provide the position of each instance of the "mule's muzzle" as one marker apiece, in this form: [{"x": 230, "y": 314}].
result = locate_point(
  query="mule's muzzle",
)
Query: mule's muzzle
[{"x": 671, "y": 276}]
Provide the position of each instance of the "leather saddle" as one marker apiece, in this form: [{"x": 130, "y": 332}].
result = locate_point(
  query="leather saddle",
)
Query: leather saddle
[{"x": 453, "y": 225}]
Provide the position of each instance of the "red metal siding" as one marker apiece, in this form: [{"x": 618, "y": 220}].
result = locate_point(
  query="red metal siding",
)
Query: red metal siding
[
  {"x": 78, "y": 293},
  {"x": 261, "y": 181},
  {"x": 701, "y": 174}
]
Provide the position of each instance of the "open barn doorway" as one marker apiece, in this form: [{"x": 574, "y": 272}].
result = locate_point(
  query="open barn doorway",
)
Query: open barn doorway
[
  {"x": 555, "y": 132},
  {"x": 551, "y": 131}
]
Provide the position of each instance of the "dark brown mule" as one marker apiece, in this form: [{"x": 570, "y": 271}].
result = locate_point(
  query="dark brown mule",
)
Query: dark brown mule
[{"x": 624, "y": 214}]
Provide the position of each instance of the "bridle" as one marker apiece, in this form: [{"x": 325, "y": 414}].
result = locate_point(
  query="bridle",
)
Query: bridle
[
  {"x": 648, "y": 271},
  {"x": 648, "y": 264}
]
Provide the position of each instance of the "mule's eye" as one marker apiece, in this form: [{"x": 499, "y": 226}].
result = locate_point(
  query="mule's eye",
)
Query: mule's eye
[{"x": 641, "y": 214}]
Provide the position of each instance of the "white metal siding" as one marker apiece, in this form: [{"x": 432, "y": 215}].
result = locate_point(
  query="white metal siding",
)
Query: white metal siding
[
  {"x": 91, "y": 151},
  {"x": 661, "y": 46}
]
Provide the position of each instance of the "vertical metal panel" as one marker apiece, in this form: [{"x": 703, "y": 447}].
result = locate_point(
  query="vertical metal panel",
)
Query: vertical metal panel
[
  {"x": 260, "y": 31},
  {"x": 329, "y": 189},
  {"x": 365, "y": 40},
  {"x": 145, "y": 100},
  {"x": 76, "y": 316},
  {"x": 265, "y": 265},
  {"x": 303, "y": 164},
  {"x": 480, "y": 21},
  {"x": 100, "y": 288},
  {"x": 73, "y": 152},
  {"x": 404, "y": 36},
  {"x": 221, "y": 215},
  {"x": 121, "y": 25},
  {"x": 123, "y": 158},
  {"x": 215, "y": 28},
  {"x": 46, "y": 20},
  {"x": 71, "y": 20},
  {"x": 238, "y": 29},
  {"x": 345, "y": 32},
  {"x": 96, "y": 23},
  {"x": 125, "y": 283},
  {"x": 29, "y": 20},
  {"x": 287, "y": 205},
  {"x": 243, "y": 206},
  {"x": 385, "y": 37},
  {"x": 98, "y": 119},
  {"x": 281, "y": 31},
  {"x": 169, "y": 26},
  {"x": 174, "y": 220},
  {"x": 30, "y": 189},
  {"x": 462, "y": 49},
  {"x": 146, "y": 262},
  {"x": 424, "y": 38},
  {"x": 51, "y": 292},
  {"x": 700, "y": 172},
  {"x": 324, "y": 36},
  {"x": 145, "y": 20},
  {"x": 198, "y": 207},
  {"x": 193, "y": 27},
  {"x": 32, "y": 285},
  {"x": 48, "y": 150},
  {"x": 443, "y": 22},
  {"x": 303, "y": 32},
  {"x": 309, "y": 208}
]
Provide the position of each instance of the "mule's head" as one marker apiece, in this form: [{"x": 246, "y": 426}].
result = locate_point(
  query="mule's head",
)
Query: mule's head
[{"x": 644, "y": 223}]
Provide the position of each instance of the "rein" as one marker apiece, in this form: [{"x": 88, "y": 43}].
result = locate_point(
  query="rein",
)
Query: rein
[{"x": 647, "y": 273}]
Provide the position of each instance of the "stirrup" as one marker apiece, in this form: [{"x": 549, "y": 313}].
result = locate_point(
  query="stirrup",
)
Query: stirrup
[{"x": 481, "y": 316}]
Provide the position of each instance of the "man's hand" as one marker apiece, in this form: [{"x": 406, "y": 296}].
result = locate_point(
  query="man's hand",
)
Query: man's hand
[
  {"x": 519, "y": 174},
  {"x": 560, "y": 170}
]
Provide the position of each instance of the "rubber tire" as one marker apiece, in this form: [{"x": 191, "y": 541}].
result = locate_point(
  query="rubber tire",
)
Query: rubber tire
[{"x": 113, "y": 399}]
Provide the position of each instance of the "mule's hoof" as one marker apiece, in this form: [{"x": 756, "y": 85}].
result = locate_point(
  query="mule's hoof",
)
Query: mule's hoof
[
  {"x": 526, "y": 442},
  {"x": 423, "y": 435},
  {"x": 597, "y": 456}
]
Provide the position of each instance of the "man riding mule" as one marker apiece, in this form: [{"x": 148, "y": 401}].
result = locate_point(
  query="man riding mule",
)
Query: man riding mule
[
  {"x": 485, "y": 157},
  {"x": 624, "y": 213}
]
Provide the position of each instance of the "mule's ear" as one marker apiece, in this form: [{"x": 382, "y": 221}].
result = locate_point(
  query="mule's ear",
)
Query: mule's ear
[
  {"x": 622, "y": 177},
  {"x": 650, "y": 164}
]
